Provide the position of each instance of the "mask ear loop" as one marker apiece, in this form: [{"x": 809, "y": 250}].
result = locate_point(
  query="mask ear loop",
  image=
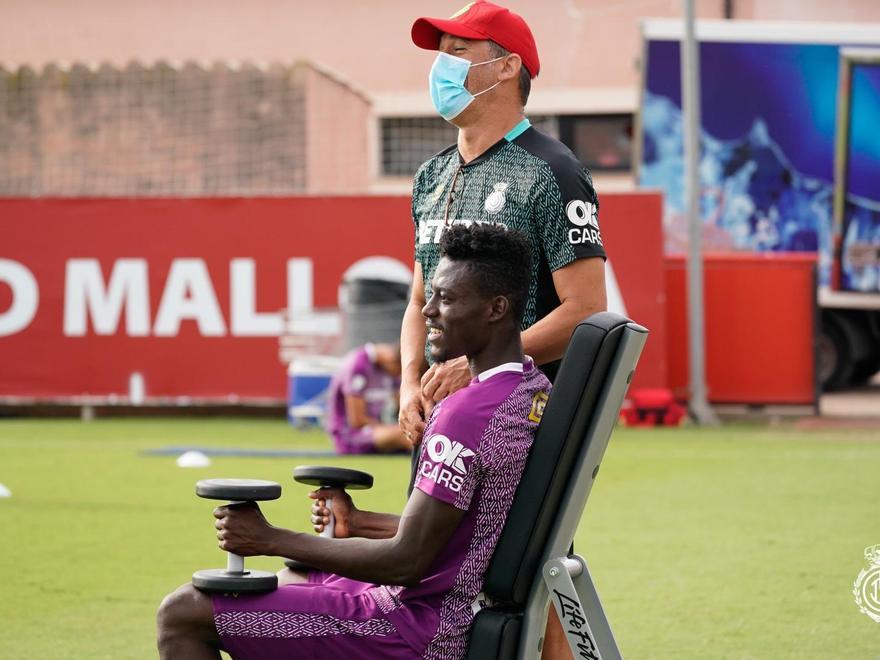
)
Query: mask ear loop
[
  {"x": 500, "y": 57},
  {"x": 488, "y": 89}
]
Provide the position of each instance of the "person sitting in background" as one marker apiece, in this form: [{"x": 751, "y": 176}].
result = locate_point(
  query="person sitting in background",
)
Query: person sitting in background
[{"x": 366, "y": 383}]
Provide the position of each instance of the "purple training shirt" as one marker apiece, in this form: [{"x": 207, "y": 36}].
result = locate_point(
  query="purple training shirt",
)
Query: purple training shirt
[
  {"x": 472, "y": 457},
  {"x": 359, "y": 376}
]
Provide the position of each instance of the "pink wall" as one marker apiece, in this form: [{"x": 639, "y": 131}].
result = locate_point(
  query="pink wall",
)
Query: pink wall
[{"x": 336, "y": 143}]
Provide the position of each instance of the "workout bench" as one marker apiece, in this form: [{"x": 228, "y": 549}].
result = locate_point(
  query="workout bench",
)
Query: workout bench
[{"x": 531, "y": 566}]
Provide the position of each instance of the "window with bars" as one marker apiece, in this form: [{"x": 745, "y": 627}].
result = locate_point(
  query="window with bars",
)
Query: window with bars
[
  {"x": 407, "y": 142},
  {"x": 603, "y": 143}
]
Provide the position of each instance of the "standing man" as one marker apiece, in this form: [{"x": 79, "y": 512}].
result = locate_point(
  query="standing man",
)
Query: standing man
[{"x": 501, "y": 171}]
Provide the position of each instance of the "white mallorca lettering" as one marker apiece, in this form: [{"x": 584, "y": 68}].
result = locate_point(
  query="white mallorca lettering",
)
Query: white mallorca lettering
[
  {"x": 25, "y": 297},
  {"x": 189, "y": 295},
  {"x": 86, "y": 296},
  {"x": 244, "y": 317},
  {"x": 300, "y": 278}
]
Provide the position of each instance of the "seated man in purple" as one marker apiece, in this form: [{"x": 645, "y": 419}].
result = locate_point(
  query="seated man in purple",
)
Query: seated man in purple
[
  {"x": 367, "y": 381},
  {"x": 407, "y": 586}
]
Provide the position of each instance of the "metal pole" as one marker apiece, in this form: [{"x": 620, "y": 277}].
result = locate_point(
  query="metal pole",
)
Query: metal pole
[{"x": 690, "y": 88}]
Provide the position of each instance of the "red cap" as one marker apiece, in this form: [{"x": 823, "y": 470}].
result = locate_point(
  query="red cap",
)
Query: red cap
[{"x": 482, "y": 20}]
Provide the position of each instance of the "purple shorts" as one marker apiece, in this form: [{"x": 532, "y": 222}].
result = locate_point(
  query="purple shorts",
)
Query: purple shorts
[
  {"x": 326, "y": 617},
  {"x": 354, "y": 441}
]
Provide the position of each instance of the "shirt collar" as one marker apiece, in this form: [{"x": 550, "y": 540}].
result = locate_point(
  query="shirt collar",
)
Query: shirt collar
[
  {"x": 513, "y": 367},
  {"x": 521, "y": 127},
  {"x": 486, "y": 155},
  {"x": 518, "y": 130}
]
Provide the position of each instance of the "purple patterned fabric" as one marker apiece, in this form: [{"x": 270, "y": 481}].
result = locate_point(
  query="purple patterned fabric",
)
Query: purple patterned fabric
[
  {"x": 358, "y": 376},
  {"x": 327, "y": 617},
  {"x": 296, "y": 624},
  {"x": 472, "y": 457},
  {"x": 473, "y": 453}
]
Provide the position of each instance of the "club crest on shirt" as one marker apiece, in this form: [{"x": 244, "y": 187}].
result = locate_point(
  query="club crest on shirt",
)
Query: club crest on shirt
[
  {"x": 539, "y": 401},
  {"x": 357, "y": 382},
  {"x": 496, "y": 200}
]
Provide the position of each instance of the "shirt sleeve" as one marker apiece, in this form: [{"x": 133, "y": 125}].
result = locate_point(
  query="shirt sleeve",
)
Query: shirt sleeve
[
  {"x": 449, "y": 461},
  {"x": 355, "y": 381},
  {"x": 415, "y": 192},
  {"x": 568, "y": 215}
]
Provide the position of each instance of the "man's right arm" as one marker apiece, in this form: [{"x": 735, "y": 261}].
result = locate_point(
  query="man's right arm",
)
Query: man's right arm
[
  {"x": 356, "y": 413},
  {"x": 349, "y": 521},
  {"x": 412, "y": 358}
]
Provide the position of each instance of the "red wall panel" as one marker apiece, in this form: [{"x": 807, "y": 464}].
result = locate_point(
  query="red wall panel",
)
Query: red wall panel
[
  {"x": 43, "y": 235},
  {"x": 632, "y": 231},
  {"x": 760, "y": 325}
]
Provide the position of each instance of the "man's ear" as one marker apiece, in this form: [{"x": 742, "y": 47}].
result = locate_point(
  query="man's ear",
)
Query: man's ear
[
  {"x": 500, "y": 308},
  {"x": 511, "y": 68}
]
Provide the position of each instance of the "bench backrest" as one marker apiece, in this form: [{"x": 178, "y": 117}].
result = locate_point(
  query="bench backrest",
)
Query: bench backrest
[{"x": 569, "y": 431}]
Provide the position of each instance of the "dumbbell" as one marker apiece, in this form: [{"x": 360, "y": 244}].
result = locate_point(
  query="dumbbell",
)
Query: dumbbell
[
  {"x": 234, "y": 578},
  {"x": 328, "y": 477}
]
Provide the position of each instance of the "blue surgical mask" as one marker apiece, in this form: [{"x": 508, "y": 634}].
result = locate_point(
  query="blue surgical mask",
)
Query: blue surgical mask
[{"x": 446, "y": 82}]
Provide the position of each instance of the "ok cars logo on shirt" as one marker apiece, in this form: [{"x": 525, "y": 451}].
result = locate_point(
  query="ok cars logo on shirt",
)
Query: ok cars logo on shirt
[
  {"x": 584, "y": 217},
  {"x": 448, "y": 464}
]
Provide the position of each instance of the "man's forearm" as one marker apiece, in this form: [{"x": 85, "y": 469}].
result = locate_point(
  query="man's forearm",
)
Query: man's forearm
[
  {"x": 372, "y": 525},
  {"x": 412, "y": 344},
  {"x": 378, "y": 561},
  {"x": 546, "y": 340}
]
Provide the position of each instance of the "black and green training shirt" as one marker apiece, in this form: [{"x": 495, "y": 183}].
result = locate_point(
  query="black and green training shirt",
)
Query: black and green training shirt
[{"x": 527, "y": 181}]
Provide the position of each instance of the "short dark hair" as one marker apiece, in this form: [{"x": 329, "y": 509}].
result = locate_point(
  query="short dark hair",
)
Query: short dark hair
[
  {"x": 500, "y": 256},
  {"x": 525, "y": 78}
]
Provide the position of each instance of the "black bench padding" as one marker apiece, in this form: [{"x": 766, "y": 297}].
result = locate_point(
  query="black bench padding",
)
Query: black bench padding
[
  {"x": 494, "y": 634},
  {"x": 567, "y": 415}
]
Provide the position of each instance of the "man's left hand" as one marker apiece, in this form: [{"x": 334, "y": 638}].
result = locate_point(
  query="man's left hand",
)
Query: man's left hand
[
  {"x": 444, "y": 378},
  {"x": 242, "y": 529}
]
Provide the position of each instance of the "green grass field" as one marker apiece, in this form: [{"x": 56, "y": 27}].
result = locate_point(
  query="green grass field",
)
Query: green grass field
[{"x": 741, "y": 542}]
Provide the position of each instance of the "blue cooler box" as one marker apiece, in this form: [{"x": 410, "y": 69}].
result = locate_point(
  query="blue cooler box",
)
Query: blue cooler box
[{"x": 308, "y": 381}]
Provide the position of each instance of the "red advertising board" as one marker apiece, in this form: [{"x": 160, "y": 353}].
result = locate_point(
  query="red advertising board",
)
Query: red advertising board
[{"x": 186, "y": 292}]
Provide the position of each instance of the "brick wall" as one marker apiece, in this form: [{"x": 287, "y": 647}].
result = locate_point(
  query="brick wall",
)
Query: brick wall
[{"x": 180, "y": 130}]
